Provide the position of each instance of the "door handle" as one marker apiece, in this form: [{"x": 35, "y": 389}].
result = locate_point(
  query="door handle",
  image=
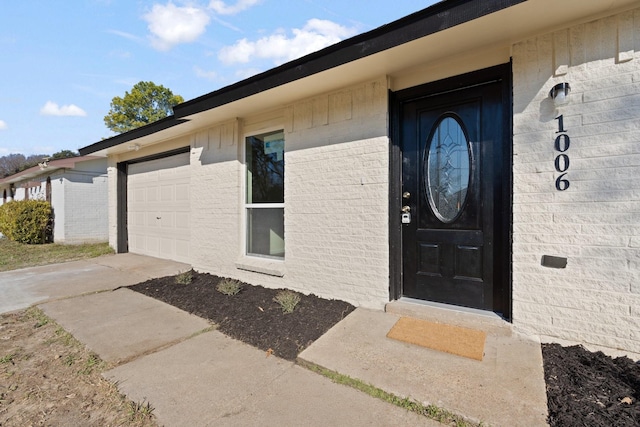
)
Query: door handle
[{"x": 406, "y": 209}]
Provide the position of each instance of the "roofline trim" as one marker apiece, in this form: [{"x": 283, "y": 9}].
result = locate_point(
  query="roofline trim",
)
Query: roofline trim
[
  {"x": 433, "y": 19},
  {"x": 157, "y": 126},
  {"x": 52, "y": 165},
  {"x": 436, "y": 18}
]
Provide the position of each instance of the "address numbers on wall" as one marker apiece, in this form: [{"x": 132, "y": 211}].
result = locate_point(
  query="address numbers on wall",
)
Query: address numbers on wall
[{"x": 561, "y": 163}]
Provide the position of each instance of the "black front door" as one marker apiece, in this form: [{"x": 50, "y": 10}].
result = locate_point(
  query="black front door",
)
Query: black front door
[{"x": 452, "y": 195}]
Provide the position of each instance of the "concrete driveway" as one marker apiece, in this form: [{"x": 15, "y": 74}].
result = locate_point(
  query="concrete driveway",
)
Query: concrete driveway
[{"x": 20, "y": 289}]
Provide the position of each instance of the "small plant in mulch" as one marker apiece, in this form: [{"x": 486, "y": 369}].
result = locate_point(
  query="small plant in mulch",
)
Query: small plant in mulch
[
  {"x": 229, "y": 287},
  {"x": 184, "y": 278},
  {"x": 253, "y": 317},
  {"x": 287, "y": 300}
]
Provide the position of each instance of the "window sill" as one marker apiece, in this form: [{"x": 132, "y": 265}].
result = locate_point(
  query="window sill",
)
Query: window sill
[{"x": 259, "y": 265}]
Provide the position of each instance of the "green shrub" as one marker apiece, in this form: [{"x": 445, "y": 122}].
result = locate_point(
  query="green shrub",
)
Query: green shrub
[
  {"x": 287, "y": 300},
  {"x": 229, "y": 287},
  {"x": 185, "y": 277},
  {"x": 27, "y": 221}
]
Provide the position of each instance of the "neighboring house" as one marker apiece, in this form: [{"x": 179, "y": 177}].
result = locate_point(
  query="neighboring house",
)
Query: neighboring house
[
  {"x": 423, "y": 160},
  {"x": 77, "y": 189}
]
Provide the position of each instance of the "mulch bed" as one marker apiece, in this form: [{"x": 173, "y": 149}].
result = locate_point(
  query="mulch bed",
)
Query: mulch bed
[
  {"x": 590, "y": 389},
  {"x": 583, "y": 388},
  {"x": 251, "y": 316}
]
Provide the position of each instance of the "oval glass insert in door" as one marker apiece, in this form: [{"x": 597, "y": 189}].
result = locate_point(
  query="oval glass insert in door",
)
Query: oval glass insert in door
[{"x": 447, "y": 164}]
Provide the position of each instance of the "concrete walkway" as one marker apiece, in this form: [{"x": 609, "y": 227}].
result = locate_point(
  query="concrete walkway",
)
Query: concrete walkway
[
  {"x": 193, "y": 375},
  {"x": 505, "y": 389}
]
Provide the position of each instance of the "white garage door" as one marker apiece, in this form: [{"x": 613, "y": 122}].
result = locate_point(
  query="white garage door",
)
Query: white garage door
[{"x": 158, "y": 207}]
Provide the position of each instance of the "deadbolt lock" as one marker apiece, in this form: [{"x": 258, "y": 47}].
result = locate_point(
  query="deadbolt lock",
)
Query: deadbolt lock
[{"x": 406, "y": 195}]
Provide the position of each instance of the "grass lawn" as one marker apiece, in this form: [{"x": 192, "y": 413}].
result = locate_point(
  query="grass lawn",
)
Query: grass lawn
[{"x": 18, "y": 255}]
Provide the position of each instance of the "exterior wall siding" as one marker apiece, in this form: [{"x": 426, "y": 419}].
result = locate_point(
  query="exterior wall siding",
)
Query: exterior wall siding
[
  {"x": 595, "y": 223},
  {"x": 85, "y": 208},
  {"x": 58, "y": 204},
  {"x": 112, "y": 201},
  {"x": 336, "y": 197}
]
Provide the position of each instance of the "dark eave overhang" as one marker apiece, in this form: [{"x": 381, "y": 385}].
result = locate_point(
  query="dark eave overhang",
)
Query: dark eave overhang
[
  {"x": 433, "y": 19},
  {"x": 162, "y": 124}
]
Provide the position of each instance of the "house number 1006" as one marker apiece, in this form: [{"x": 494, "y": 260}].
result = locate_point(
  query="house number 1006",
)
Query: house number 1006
[{"x": 561, "y": 144}]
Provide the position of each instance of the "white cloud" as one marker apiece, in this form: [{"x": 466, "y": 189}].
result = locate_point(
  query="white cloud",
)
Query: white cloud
[
  {"x": 209, "y": 75},
  {"x": 171, "y": 25},
  {"x": 222, "y": 8},
  {"x": 53, "y": 109},
  {"x": 120, "y": 54},
  {"x": 3, "y": 125},
  {"x": 280, "y": 47},
  {"x": 127, "y": 36}
]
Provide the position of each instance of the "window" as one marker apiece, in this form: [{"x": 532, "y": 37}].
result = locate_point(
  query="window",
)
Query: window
[
  {"x": 447, "y": 164},
  {"x": 265, "y": 195}
]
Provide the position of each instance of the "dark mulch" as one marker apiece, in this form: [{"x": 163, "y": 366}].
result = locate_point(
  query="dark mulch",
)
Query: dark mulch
[
  {"x": 590, "y": 389},
  {"x": 583, "y": 388},
  {"x": 251, "y": 316}
]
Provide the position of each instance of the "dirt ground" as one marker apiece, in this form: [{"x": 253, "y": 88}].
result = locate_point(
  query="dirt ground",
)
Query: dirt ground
[{"x": 47, "y": 378}]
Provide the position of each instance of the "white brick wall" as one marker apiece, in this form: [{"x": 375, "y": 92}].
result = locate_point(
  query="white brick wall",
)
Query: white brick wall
[
  {"x": 336, "y": 196},
  {"x": 596, "y": 222},
  {"x": 85, "y": 203},
  {"x": 112, "y": 201},
  {"x": 216, "y": 199}
]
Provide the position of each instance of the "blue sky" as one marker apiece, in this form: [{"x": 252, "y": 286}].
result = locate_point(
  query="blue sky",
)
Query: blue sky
[{"x": 62, "y": 62}]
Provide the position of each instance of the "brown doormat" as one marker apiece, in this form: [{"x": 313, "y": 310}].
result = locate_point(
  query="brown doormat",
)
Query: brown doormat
[{"x": 451, "y": 339}]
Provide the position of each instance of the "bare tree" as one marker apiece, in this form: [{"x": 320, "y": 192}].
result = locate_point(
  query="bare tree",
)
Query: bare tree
[{"x": 14, "y": 163}]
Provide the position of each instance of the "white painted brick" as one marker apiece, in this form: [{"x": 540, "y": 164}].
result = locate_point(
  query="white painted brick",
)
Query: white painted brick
[
  {"x": 336, "y": 198},
  {"x": 595, "y": 222},
  {"x": 615, "y": 92}
]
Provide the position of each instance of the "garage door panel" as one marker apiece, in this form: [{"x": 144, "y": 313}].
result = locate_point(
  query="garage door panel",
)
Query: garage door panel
[
  {"x": 158, "y": 207},
  {"x": 140, "y": 195},
  {"x": 182, "y": 221},
  {"x": 152, "y": 194},
  {"x": 167, "y": 222},
  {"x": 182, "y": 192},
  {"x": 138, "y": 219},
  {"x": 167, "y": 194}
]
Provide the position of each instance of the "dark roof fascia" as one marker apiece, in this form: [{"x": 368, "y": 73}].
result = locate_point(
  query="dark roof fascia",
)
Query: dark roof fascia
[
  {"x": 433, "y": 19},
  {"x": 131, "y": 135}
]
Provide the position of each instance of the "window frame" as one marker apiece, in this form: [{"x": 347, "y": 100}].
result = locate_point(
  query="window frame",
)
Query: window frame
[{"x": 267, "y": 205}]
